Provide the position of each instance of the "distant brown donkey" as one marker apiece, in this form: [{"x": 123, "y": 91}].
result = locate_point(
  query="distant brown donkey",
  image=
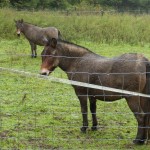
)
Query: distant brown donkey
[
  {"x": 36, "y": 35},
  {"x": 128, "y": 71}
]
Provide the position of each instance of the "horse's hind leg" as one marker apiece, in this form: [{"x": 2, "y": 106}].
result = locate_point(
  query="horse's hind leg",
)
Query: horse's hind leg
[
  {"x": 135, "y": 106},
  {"x": 93, "y": 111},
  {"x": 146, "y": 109},
  {"x": 148, "y": 126},
  {"x": 145, "y": 106}
]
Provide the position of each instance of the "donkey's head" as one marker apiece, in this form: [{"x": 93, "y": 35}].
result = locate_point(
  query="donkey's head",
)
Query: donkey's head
[
  {"x": 49, "y": 56},
  {"x": 19, "y": 26}
]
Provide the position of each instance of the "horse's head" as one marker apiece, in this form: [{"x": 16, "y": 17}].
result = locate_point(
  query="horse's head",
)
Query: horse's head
[
  {"x": 19, "y": 26},
  {"x": 49, "y": 57}
]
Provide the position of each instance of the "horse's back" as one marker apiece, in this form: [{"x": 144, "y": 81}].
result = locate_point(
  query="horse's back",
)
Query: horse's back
[
  {"x": 130, "y": 62},
  {"x": 127, "y": 72},
  {"x": 124, "y": 72},
  {"x": 51, "y": 32}
]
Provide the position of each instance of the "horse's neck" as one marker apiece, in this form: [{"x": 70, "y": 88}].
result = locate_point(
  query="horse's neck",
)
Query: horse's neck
[
  {"x": 70, "y": 55},
  {"x": 27, "y": 27},
  {"x": 71, "y": 50}
]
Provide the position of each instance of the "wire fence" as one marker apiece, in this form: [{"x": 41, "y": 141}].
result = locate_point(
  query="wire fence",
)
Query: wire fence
[
  {"x": 105, "y": 12},
  {"x": 99, "y": 12},
  {"x": 40, "y": 112}
]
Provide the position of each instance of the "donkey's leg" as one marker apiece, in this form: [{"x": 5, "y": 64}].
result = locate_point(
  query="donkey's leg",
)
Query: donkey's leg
[
  {"x": 35, "y": 53},
  {"x": 33, "y": 49},
  {"x": 135, "y": 106},
  {"x": 32, "y": 45},
  {"x": 141, "y": 133},
  {"x": 93, "y": 111},
  {"x": 83, "y": 103},
  {"x": 146, "y": 109},
  {"x": 148, "y": 126}
]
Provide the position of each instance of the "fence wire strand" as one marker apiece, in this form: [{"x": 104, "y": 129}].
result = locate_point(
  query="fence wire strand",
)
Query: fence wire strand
[{"x": 56, "y": 115}]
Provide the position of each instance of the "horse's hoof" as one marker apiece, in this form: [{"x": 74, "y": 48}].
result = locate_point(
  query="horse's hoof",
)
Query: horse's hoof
[
  {"x": 83, "y": 129},
  {"x": 94, "y": 128},
  {"x": 138, "y": 142}
]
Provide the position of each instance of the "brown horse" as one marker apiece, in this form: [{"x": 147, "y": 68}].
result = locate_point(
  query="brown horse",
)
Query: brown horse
[
  {"x": 128, "y": 72},
  {"x": 36, "y": 35}
]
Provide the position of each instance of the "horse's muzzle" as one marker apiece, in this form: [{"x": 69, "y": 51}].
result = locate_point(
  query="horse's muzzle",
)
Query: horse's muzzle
[{"x": 45, "y": 72}]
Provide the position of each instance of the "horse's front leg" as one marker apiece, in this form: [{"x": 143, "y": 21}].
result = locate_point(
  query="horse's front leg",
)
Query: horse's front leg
[
  {"x": 93, "y": 111},
  {"x": 33, "y": 50},
  {"x": 83, "y": 103},
  {"x": 35, "y": 53}
]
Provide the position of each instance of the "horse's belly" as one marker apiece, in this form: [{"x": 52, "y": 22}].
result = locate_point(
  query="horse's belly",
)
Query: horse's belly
[
  {"x": 39, "y": 42},
  {"x": 108, "y": 96},
  {"x": 133, "y": 82},
  {"x": 129, "y": 82}
]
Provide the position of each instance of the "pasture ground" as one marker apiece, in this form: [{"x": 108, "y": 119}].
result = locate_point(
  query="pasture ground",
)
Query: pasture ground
[{"x": 38, "y": 114}]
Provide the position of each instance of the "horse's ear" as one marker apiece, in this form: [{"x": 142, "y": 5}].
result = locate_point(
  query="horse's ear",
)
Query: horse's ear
[{"x": 53, "y": 42}]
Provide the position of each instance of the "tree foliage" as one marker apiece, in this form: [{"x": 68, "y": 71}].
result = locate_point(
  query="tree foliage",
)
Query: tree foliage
[{"x": 64, "y": 4}]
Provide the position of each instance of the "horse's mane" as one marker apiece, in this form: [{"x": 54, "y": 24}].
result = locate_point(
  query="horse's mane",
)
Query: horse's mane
[
  {"x": 76, "y": 45},
  {"x": 31, "y": 24}
]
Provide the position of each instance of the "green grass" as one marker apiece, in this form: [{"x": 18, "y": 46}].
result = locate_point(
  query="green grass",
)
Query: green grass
[{"x": 39, "y": 114}]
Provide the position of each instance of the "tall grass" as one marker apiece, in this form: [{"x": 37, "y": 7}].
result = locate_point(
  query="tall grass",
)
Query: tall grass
[{"x": 118, "y": 28}]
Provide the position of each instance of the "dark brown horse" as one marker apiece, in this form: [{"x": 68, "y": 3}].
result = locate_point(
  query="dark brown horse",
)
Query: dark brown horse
[
  {"x": 128, "y": 72},
  {"x": 36, "y": 35}
]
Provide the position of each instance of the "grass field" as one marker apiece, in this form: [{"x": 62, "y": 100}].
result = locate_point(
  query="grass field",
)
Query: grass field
[{"x": 38, "y": 114}]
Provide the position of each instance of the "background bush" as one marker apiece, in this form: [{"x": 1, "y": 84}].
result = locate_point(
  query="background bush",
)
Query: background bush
[
  {"x": 65, "y": 4},
  {"x": 109, "y": 28}
]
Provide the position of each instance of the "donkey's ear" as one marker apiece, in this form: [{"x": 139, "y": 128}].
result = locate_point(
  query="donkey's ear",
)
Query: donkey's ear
[
  {"x": 15, "y": 21},
  {"x": 53, "y": 42},
  {"x": 21, "y": 21}
]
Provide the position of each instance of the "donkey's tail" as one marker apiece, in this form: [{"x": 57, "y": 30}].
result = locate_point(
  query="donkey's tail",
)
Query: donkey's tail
[
  {"x": 148, "y": 100},
  {"x": 59, "y": 35},
  {"x": 148, "y": 78}
]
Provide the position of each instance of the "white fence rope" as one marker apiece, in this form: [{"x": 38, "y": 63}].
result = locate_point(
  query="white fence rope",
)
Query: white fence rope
[{"x": 77, "y": 83}]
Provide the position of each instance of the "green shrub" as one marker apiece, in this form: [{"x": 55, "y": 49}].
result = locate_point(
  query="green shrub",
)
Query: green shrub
[{"x": 109, "y": 28}]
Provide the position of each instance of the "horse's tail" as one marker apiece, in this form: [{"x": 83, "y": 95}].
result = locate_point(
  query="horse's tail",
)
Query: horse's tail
[
  {"x": 148, "y": 78},
  {"x": 148, "y": 100}
]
